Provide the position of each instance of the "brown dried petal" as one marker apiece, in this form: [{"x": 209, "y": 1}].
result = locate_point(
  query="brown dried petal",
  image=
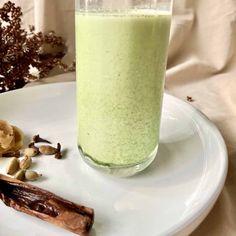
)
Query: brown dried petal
[{"x": 21, "y": 48}]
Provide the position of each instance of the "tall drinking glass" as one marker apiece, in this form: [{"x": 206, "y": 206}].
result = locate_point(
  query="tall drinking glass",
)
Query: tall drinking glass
[{"x": 121, "y": 52}]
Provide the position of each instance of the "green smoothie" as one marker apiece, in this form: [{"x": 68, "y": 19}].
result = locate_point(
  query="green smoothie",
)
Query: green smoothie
[{"x": 121, "y": 62}]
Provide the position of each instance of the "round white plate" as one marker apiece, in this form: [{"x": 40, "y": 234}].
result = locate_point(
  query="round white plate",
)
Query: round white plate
[{"x": 171, "y": 197}]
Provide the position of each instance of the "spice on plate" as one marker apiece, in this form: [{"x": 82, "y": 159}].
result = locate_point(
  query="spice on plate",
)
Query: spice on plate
[
  {"x": 31, "y": 175},
  {"x": 20, "y": 175},
  {"x": 19, "y": 139},
  {"x": 45, "y": 205},
  {"x": 11, "y": 154},
  {"x": 11, "y": 139},
  {"x": 31, "y": 151},
  {"x": 6, "y": 136},
  {"x": 13, "y": 166},
  {"x": 38, "y": 139},
  {"x": 26, "y": 163},
  {"x": 47, "y": 150},
  {"x": 58, "y": 155},
  {"x": 190, "y": 99}
]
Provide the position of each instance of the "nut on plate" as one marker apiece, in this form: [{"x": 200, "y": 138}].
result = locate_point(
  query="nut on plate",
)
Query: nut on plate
[
  {"x": 11, "y": 138},
  {"x": 6, "y": 135},
  {"x": 19, "y": 138}
]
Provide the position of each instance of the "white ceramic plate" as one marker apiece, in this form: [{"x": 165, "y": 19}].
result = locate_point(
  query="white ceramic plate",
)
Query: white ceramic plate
[{"x": 171, "y": 197}]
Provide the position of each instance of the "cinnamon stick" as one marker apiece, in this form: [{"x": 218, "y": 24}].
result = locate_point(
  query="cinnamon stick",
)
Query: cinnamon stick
[{"x": 45, "y": 205}]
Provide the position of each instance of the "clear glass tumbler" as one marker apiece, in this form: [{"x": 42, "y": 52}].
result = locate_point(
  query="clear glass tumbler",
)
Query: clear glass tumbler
[{"x": 121, "y": 53}]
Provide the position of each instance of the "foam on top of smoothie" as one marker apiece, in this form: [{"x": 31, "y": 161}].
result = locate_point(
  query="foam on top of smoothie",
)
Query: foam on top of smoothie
[{"x": 133, "y": 12}]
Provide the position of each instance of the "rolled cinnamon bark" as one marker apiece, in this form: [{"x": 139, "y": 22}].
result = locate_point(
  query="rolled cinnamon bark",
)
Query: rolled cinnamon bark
[{"x": 46, "y": 206}]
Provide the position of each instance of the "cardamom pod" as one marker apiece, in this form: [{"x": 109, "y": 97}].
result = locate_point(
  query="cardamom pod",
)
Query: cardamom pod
[
  {"x": 32, "y": 175},
  {"x": 47, "y": 150},
  {"x": 26, "y": 163},
  {"x": 20, "y": 175},
  {"x": 13, "y": 166},
  {"x": 31, "y": 152}
]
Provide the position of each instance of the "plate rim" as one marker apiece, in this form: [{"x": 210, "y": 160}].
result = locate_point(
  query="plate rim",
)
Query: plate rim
[{"x": 196, "y": 214}]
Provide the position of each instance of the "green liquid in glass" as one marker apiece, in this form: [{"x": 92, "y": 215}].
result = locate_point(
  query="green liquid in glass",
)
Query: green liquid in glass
[{"x": 121, "y": 62}]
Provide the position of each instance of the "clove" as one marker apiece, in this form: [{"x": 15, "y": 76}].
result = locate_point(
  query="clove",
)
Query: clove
[
  {"x": 58, "y": 155},
  {"x": 31, "y": 145},
  {"x": 11, "y": 154},
  {"x": 38, "y": 139}
]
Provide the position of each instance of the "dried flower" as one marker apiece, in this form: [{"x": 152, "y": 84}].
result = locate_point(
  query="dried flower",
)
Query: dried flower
[{"x": 20, "y": 50}]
